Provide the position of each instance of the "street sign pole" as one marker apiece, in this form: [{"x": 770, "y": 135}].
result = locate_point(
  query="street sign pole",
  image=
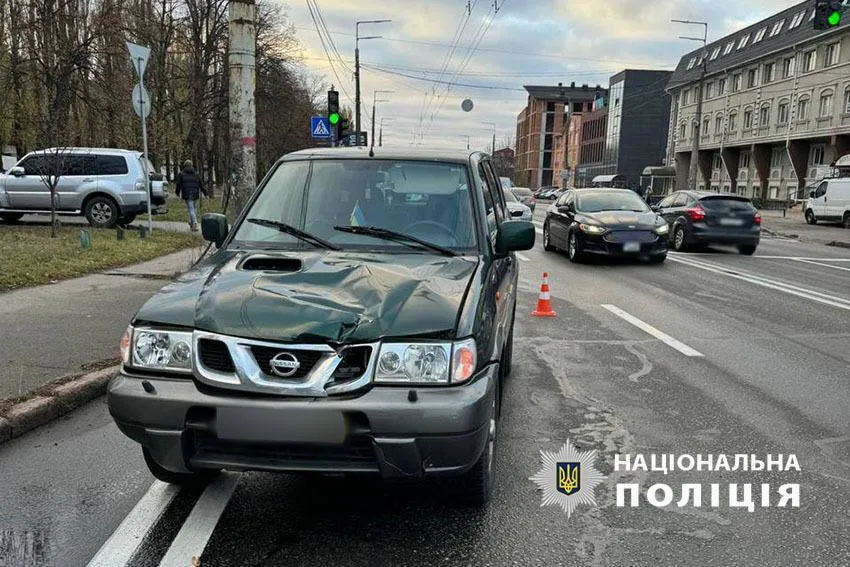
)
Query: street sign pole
[{"x": 145, "y": 146}]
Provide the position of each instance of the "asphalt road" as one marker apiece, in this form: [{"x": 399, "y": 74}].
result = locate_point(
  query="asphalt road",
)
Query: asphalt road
[{"x": 771, "y": 377}]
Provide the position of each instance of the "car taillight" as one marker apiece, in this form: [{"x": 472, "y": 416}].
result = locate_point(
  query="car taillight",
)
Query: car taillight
[
  {"x": 696, "y": 213},
  {"x": 757, "y": 218}
]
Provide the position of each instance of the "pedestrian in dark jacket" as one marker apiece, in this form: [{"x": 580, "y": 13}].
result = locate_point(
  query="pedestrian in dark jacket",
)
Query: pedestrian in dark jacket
[{"x": 190, "y": 187}]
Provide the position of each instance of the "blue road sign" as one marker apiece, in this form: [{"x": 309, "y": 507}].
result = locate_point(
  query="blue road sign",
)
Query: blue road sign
[{"x": 320, "y": 128}]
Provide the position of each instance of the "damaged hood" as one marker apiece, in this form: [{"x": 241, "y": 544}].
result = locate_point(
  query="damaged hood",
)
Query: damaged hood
[{"x": 317, "y": 296}]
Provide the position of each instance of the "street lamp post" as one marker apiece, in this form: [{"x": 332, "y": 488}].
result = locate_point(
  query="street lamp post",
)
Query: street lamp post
[
  {"x": 693, "y": 170},
  {"x": 357, "y": 39},
  {"x": 493, "y": 124},
  {"x": 375, "y": 101},
  {"x": 381, "y": 131}
]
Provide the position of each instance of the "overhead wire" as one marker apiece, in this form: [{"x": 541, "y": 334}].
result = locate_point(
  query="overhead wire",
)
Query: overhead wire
[{"x": 327, "y": 51}]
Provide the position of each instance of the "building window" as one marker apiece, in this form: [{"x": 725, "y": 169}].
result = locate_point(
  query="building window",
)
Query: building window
[
  {"x": 816, "y": 155},
  {"x": 733, "y": 116},
  {"x": 728, "y": 49},
  {"x": 718, "y": 124},
  {"x": 717, "y": 162},
  {"x": 714, "y": 54},
  {"x": 742, "y": 43},
  {"x": 709, "y": 90},
  {"x": 809, "y": 61},
  {"x": 782, "y": 113},
  {"x": 759, "y": 35},
  {"x": 798, "y": 19},
  {"x": 777, "y": 27},
  {"x": 776, "y": 157},
  {"x": 744, "y": 160},
  {"x": 748, "y": 118},
  {"x": 764, "y": 116},
  {"x": 803, "y": 109},
  {"x": 847, "y": 100},
  {"x": 787, "y": 67},
  {"x": 825, "y": 108},
  {"x": 683, "y": 131},
  {"x": 767, "y": 76},
  {"x": 691, "y": 63},
  {"x": 832, "y": 53},
  {"x": 752, "y": 78},
  {"x": 736, "y": 82},
  {"x": 706, "y": 124},
  {"x": 721, "y": 87},
  {"x": 550, "y": 107}
]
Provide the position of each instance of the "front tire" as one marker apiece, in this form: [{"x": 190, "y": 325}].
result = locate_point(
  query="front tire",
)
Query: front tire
[
  {"x": 476, "y": 485},
  {"x": 574, "y": 249},
  {"x": 180, "y": 479},
  {"x": 11, "y": 217},
  {"x": 810, "y": 217},
  {"x": 547, "y": 242},
  {"x": 102, "y": 212},
  {"x": 747, "y": 250}
]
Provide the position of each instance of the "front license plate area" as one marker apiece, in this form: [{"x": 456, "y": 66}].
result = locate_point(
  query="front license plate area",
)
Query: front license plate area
[{"x": 631, "y": 247}]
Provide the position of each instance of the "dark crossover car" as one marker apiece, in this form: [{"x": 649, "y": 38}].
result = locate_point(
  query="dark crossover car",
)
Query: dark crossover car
[
  {"x": 698, "y": 218},
  {"x": 357, "y": 318},
  {"x": 614, "y": 222}
]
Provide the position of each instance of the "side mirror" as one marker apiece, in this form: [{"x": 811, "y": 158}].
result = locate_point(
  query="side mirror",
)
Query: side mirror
[
  {"x": 515, "y": 235},
  {"x": 214, "y": 228},
  {"x": 655, "y": 208},
  {"x": 17, "y": 171},
  {"x": 811, "y": 194}
]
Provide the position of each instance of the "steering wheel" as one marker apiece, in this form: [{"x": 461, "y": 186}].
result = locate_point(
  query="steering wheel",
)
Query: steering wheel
[{"x": 434, "y": 224}]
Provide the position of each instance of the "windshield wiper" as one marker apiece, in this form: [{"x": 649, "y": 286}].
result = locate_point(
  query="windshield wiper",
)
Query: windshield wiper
[
  {"x": 406, "y": 239},
  {"x": 297, "y": 233}
]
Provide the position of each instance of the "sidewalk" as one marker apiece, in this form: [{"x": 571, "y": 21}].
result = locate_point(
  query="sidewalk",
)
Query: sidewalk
[
  {"x": 171, "y": 226},
  {"x": 54, "y": 330},
  {"x": 793, "y": 225}
]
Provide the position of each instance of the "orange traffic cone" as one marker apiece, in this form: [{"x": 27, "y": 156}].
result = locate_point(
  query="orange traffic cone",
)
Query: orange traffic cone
[{"x": 544, "y": 302}]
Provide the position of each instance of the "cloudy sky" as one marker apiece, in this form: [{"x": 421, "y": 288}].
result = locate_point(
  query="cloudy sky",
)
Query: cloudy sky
[{"x": 539, "y": 42}]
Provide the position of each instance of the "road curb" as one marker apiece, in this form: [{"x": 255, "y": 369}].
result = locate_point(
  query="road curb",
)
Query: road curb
[{"x": 53, "y": 403}]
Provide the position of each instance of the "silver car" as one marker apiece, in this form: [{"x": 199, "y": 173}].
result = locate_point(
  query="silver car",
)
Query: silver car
[
  {"x": 104, "y": 184},
  {"x": 525, "y": 196},
  {"x": 517, "y": 210}
]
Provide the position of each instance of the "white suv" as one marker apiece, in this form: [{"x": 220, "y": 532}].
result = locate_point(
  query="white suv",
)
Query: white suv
[{"x": 104, "y": 184}]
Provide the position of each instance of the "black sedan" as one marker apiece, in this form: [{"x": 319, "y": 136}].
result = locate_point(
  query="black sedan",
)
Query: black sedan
[
  {"x": 699, "y": 218},
  {"x": 613, "y": 222}
]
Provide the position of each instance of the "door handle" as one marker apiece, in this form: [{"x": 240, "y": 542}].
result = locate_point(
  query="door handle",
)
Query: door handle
[{"x": 88, "y": 180}]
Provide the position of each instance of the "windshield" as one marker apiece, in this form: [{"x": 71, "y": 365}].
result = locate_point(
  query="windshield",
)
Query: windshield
[
  {"x": 509, "y": 196},
  {"x": 726, "y": 204},
  {"x": 610, "y": 201},
  {"x": 425, "y": 200}
]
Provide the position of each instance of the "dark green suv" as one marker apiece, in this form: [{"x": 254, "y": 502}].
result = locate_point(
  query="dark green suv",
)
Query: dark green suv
[{"x": 357, "y": 318}]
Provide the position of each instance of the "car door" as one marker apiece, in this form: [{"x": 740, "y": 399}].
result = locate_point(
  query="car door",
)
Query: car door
[
  {"x": 28, "y": 191},
  {"x": 819, "y": 202},
  {"x": 79, "y": 177},
  {"x": 560, "y": 219},
  {"x": 504, "y": 273}
]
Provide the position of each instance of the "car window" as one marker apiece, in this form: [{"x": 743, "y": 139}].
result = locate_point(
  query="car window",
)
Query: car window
[
  {"x": 821, "y": 190},
  {"x": 682, "y": 200},
  {"x": 509, "y": 196},
  {"x": 595, "y": 202},
  {"x": 720, "y": 204},
  {"x": 668, "y": 200},
  {"x": 562, "y": 200},
  {"x": 111, "y": 165},
  {"x": 494, "y": 188},
  {"x": 428, "y": 200},
  {"x": 34, "y": 165},
  {"x": 77, "y": 164}
]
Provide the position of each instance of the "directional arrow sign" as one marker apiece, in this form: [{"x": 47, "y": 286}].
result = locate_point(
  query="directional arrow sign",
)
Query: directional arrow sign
[
  {"x": 139, "y": 55},
  {"x": 141, "y": 101}
]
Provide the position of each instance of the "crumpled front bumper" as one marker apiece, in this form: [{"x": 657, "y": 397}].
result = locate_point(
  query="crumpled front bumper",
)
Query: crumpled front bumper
[{"x": 396, "y": 432}]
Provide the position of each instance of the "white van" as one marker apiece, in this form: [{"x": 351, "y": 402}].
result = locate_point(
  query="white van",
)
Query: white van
[{"x": 829, "y": 201}]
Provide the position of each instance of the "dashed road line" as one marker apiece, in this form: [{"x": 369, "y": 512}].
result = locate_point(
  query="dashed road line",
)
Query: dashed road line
[
  {"x": 824, "y": 265},
  {"x": 125, "y": 540},
  {"x": 647, "y": 328},
  {"x": 198, "y": 527}
]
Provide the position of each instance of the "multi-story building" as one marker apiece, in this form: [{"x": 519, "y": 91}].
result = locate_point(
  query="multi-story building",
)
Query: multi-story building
[
  {"x": 574, "y": 131},
  {"x": 594, "y": 126},
  {"x": 505, "y": 161},
  {"x": 776, "y": 107},
  {"x": 636, "y": 132},
  {"x": 559, "y": 154},
  {"x": 538, "y": 123}
]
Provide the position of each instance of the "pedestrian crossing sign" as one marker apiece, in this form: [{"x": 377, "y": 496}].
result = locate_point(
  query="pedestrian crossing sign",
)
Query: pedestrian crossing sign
[{"x": 320, "y": 128}]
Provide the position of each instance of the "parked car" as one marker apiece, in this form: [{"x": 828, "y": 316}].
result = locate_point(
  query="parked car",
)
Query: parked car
[
  {"x": 525, "y": 196},
  {"x": 699, "y": 218},
  {"x": 829, "y": 201},
  {"x": 547, "y": 192},
  {"x": 360, "y": 331},
  {"x": 106, "y": 185},
  {"x": 613, "y": 222},
  {"x": 517, "y": 210},
  {"x": 506, "y": 182}
]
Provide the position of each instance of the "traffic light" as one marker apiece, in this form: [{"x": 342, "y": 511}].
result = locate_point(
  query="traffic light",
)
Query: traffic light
[
  {"x": 333, "y": 108},
  {"x": 827, "y": 14},
  {"x": 833, "y": 17},
  {"x": 342, "y": 128}
]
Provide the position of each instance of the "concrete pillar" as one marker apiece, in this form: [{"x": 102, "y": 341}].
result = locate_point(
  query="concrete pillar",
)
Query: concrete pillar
[
  {"x": 761, "y": 161},
  {"x": 799, "y": 151},
  {"x": 705, "y": 159},
  {"x": 683, "y": 166},
  {"x": 730, "y": 158}
]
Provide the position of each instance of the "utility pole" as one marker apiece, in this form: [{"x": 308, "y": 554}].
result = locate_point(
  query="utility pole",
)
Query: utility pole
[
  {"x": 493, "y": 124},
  {"x": 693, "y": 171},
  {"x": 242, "y": 111},
  {"x": 374, "y": 104},
  {"x": 381, "y": 131},
  {"x": 357, "y": 39}
]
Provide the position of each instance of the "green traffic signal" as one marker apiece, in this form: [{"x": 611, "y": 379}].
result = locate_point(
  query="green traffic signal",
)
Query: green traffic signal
[
  {"x": 834, "y": 18},
  {"x": 334, "y": 118}
]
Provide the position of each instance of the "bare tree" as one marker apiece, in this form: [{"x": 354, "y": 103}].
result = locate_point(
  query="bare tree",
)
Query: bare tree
[{"x": 50, "y": 166}]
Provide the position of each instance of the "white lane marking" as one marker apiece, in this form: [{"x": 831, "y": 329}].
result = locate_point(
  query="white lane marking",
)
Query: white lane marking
[
  {"x": 824, "y": 265},
  {"x": 538, "y": 224},
  {"x": 646, "y": 327},
  {"x": 125, "y": 540},
  {"x": 198, "y": 527},
  {"x": 818, "y": 297},
  {"x": 685, "y": 255},
  {"x": 538, "y": 231},
  {"x": 523, "y": 257}
]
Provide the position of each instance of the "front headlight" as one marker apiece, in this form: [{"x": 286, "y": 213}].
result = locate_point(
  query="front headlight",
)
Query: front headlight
[
  {"x": 426, "y": 363},
  {"x": 154, "y": 349},
  {"x": 591, "y": 228},
  {"x": 662, "y": 229}
]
